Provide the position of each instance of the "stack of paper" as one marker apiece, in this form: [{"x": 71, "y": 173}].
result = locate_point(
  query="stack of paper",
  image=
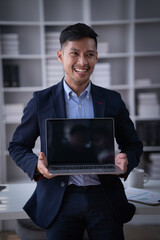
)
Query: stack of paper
[
  {"x": 143, "y": 196},
  {"x": 13, "y": 112},
  {"x": 54, "y": 71},
  {"x": 10, "y": 43},
  {"x": 148, "y": 104},
  {"x": 102, "y": 74},
  {"x": 52, "y": 43}
]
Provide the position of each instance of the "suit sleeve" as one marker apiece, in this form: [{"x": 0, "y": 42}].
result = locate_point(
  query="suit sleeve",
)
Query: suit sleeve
[
  {"x": 126, "y": 137},
  {"x": 23, "y": 141}
]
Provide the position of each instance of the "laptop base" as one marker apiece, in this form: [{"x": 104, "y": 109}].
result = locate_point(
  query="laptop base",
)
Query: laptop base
[{"x": 74, "y": 170}]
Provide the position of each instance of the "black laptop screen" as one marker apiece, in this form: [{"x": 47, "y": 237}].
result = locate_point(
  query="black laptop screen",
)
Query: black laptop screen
[{"x": 80, "y": 141}]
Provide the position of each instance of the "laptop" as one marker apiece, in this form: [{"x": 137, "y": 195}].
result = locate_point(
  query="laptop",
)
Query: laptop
[{"x": 81, "y": 146}]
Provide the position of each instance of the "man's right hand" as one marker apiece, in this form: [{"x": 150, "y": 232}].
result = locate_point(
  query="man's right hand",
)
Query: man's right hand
[{"x": 42, "y": 166}]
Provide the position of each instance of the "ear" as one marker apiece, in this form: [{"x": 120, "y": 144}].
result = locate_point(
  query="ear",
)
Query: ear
[
  {"x": 96, "y": 57},
  {"x": 60, "y": 55}
]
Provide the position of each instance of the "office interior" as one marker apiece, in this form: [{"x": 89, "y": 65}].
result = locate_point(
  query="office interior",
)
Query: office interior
[{"x": 129, "y": 62}]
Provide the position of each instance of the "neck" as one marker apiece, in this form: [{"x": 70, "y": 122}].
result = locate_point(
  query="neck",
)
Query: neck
[{"x": 78, "y": 88}]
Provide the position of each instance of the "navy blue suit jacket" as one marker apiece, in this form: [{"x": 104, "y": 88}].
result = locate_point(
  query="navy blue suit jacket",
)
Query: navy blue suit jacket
[{"x": 44, "y": 204}]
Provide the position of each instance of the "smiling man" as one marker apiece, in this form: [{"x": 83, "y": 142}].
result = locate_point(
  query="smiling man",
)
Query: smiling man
[
  {"x": 67, "y": 205},
  {"x": 78, "y": 58}
]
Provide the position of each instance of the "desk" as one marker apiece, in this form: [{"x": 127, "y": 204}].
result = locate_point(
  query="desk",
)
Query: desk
[
  {"x": 143, "y": 209},
  {"x": 15, "y": 196}
]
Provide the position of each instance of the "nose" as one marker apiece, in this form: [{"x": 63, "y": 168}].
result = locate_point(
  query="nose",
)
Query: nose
[{"x": 82, "y": 60}]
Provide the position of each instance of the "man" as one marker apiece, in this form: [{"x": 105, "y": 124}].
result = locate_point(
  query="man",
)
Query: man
[{"x": 64, "y": 205}]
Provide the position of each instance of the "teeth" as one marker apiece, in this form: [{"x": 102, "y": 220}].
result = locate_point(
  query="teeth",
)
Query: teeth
[{"x": 81, "y": 70}]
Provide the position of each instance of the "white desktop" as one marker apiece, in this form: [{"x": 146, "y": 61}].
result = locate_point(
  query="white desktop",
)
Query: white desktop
[{"x": 13, "y": 198}]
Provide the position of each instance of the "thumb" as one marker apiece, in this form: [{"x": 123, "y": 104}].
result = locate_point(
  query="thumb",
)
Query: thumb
[
  {"x": 41, "y": 156},
  {"x": 42, "y": 159}
]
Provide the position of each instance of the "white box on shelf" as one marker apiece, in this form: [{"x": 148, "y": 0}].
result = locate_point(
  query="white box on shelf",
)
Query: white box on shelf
[
  {"x": 102, "y": 74},
  {"x": 10, "y": 43},
  {"x": 148, "y": 104},
  {"x": 155, "y": 158},
  {"x": 143, "y": 82},
  {"x": 148, "y": 110},
  {"x": 152, "y": 96},
  {"x": 52, "y": 42},
  {"x": 13, "y": 107},
  {"x": 13, "y": 112},
  {"x": 103, "y": 48}
]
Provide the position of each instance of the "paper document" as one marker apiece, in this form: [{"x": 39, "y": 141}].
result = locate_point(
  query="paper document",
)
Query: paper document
[{"x": 142, "y": 196}]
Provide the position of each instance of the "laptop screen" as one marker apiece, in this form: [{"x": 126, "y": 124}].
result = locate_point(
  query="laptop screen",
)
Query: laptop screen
[{"x": 80, "y": 141}]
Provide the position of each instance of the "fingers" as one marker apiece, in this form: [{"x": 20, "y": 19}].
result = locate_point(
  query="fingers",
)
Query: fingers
[
  {"x": 42, "y": 166},
  {"x": 121, "y": 161}
]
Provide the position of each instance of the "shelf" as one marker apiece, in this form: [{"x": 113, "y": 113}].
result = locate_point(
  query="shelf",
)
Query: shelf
[
  {"x": 19, "y": 10},
  {"x": 117, "y": 37},
  {"x": 109, "y": 10},
  {"x": 110, "y": 22},
  {"x": 27, "y": 39},
  {"x": 21, "y": 89},
  {"x": 19, "y": 23},
  {"x": 17, "y": 97},
  {"x": 113, "y": 55},
  {"x": 147, "y": 9},
  {"x": 11, "y": 122},
  {"x": 14, "y": 173},
  {"x": 148, "y": 67},
  {"x": 22, "y": 56},
  {"x": 148, "y": 20},
  {"x": 147, "y": 118},
  {"x": 61, "y": 11},
  {"x": 148, "y": 87},
  {"x": 58, "y": 23},
  {"x": 147, "y": 54},
  {"x": 151, "y": 148},
  {"x": 148, "y": 31},
  {"x": 120, "y": 87},
  {"x": 29, "y": 71}
]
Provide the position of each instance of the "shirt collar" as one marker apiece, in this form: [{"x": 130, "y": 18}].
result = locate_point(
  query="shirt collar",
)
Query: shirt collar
[{"x": 68, "y": 91}]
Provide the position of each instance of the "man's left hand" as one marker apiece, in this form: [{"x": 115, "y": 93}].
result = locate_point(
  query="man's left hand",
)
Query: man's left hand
[{"x": 121, "y": 161}]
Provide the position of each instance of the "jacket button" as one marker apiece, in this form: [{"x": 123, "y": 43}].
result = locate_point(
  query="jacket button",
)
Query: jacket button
[{"x": 63, "y": 184}]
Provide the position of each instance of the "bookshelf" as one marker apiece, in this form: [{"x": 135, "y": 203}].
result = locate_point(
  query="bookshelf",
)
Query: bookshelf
[{"x": 129, "y": 31}]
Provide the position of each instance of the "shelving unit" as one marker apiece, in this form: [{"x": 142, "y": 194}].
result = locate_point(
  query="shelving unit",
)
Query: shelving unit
[{"x": 131, "y": 28}]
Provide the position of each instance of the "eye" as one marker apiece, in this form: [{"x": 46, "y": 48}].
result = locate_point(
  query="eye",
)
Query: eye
[
  {"x": 90, "y": 54},
  {"x": 74, "y": 54}
]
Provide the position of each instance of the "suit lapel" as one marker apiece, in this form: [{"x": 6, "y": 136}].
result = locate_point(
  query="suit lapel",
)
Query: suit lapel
[
  {"x": 98, "y": 102},
  {"x": 58, "y": 101}
]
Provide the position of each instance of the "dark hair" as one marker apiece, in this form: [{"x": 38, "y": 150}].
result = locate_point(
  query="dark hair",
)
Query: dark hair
[{"x": 76, "y": 32}]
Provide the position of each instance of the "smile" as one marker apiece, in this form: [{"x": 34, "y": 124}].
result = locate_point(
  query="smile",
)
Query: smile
[{"x": 80, "y": 70}]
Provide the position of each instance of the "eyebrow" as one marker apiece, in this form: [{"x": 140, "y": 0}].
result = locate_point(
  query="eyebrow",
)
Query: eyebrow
[{"x": 77, "y": 50}]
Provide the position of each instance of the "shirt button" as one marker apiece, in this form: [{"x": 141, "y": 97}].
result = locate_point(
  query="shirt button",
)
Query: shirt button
[
  {"x": 63, "y": 184},
  {"x": 85, "y": 178},
  {"x": 80, "y": 105},
  {"x": 72, "y": 94}
]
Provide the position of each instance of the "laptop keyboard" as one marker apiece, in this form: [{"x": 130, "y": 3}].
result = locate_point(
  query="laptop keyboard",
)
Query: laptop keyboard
[{"x": 109, "y": 166}]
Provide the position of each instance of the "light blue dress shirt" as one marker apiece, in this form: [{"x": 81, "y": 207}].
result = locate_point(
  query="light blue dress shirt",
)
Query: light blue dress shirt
[{"x": 80, "y": 107}]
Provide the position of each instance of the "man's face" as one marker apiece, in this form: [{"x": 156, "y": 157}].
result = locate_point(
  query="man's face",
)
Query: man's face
[{"x": 78, "y": 58}]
